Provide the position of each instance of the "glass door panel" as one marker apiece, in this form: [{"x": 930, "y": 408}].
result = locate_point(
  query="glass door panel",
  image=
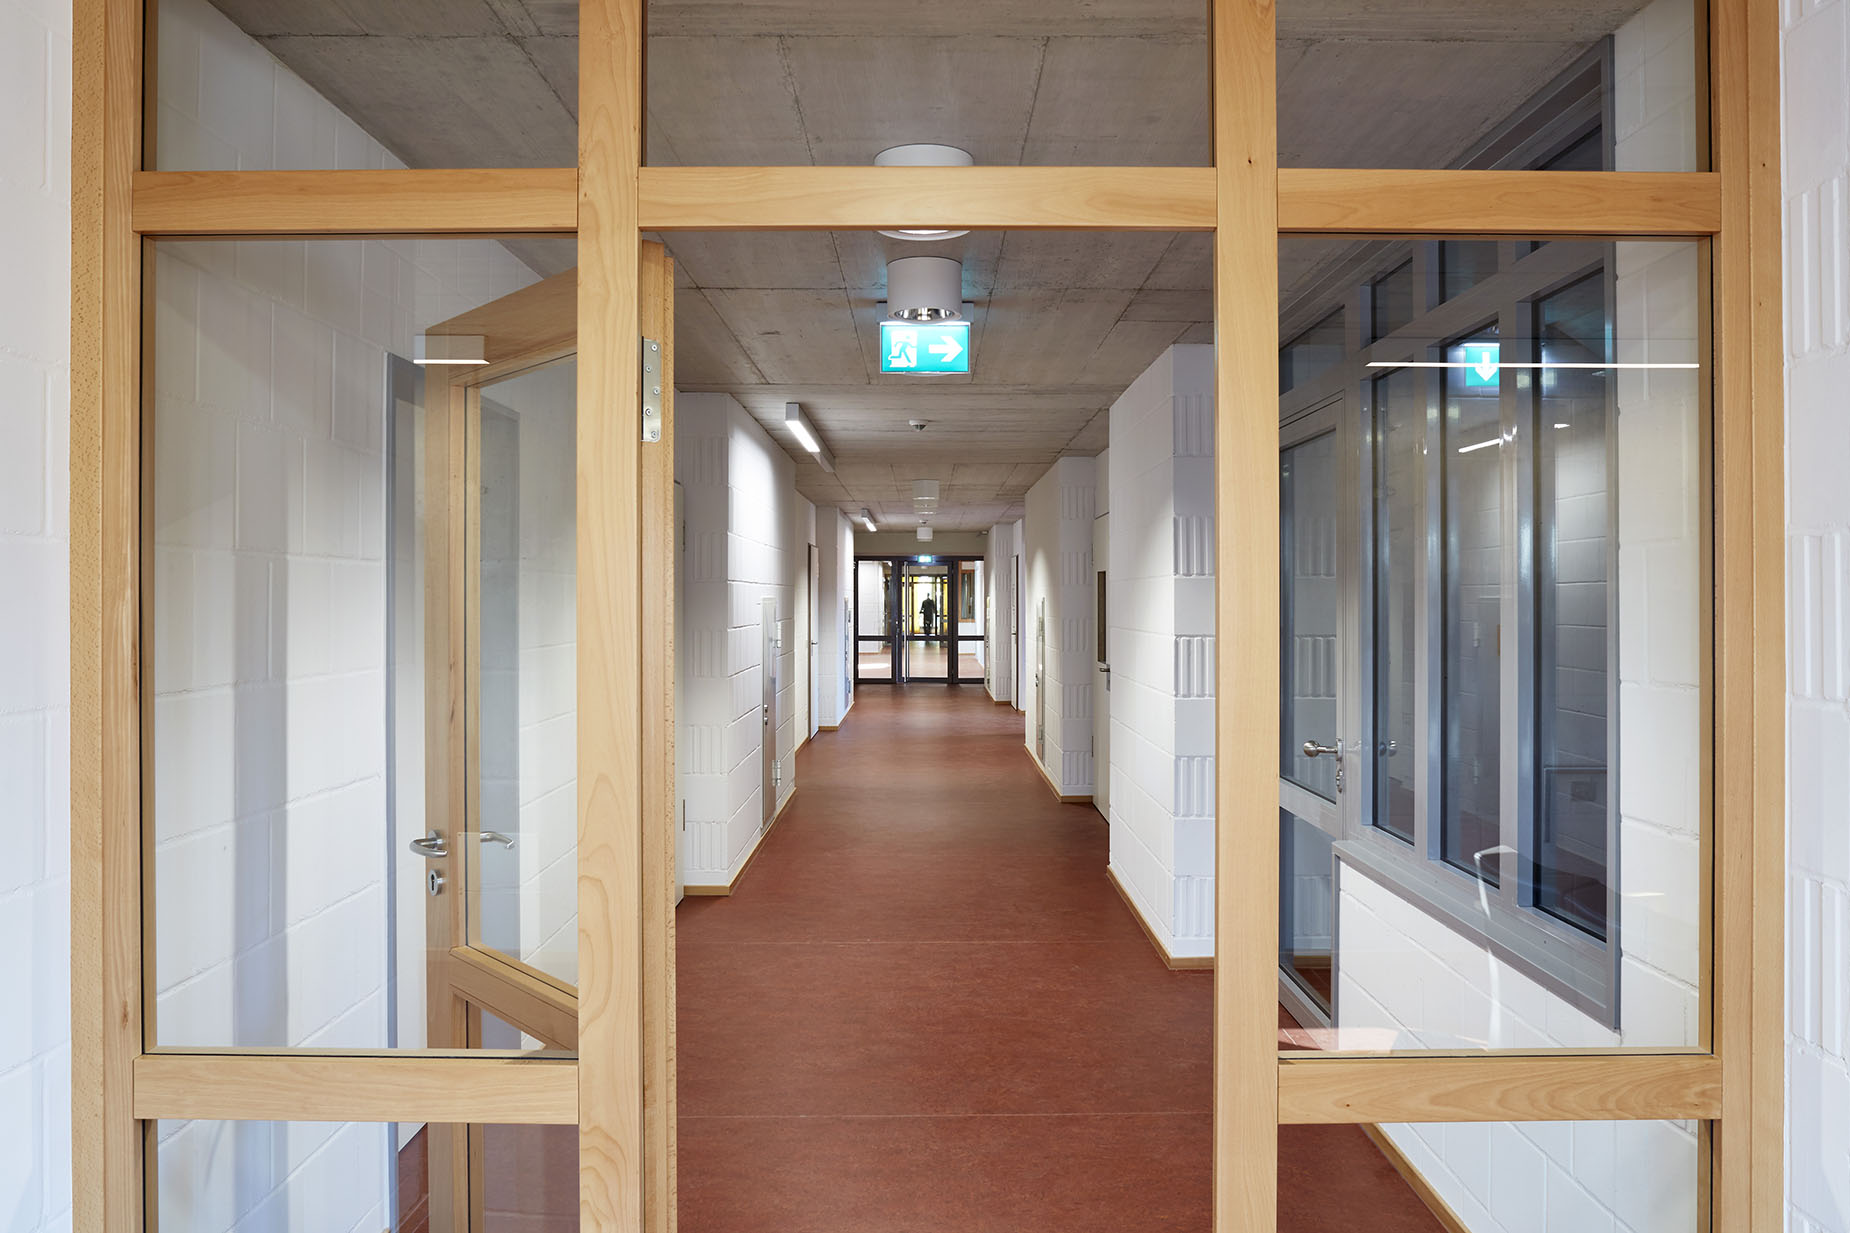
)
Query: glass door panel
[
  {"x": 928, "y": 620},
  {"x": 520, "y": 855},
  {"x": 1311, "y": 604},
  {"x": 1307, "y": 917},
  {"x": 874, "y": 621}
]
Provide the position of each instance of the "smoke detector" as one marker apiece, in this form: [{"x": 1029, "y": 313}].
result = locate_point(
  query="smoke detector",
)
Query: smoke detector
[
  {"x": 922, "y": 154},
  {"x": 917, "y": 425}
]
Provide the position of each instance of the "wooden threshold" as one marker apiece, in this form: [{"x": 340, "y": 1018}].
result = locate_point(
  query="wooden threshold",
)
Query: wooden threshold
[
  {"x": 722, "y": 889},
  {"x": 497, "y": 1090},
  {"x": 1175, "y": 963},
  {"x": 307, "y": 203},
  {"x": 1498, "y": 1088}
]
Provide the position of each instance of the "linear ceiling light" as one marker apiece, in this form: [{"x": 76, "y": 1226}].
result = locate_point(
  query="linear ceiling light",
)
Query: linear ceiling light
[
  {"x": 434, "y": 349},
  {"x": 867, "y": 520},
  {"x": 922, "y": 154},
  {"x": 806, "y": 435}
]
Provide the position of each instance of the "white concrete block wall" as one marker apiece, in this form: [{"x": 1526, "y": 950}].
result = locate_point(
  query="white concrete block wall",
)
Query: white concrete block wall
[
  {"x": 1816, "y": 47},
  {"x": 1161, "y": 608},
  {"x": 747, "y": 539},
  {"x": 1057, "y": 554},
  {"x": 35, "y": 720},
  {"x": 835, "y": 623},
  {"x": 999, "y": 564}
]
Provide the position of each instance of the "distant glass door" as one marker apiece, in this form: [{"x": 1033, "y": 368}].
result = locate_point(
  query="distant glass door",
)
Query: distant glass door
[
  {"x": 928, "y": 632},
  {"x": 876, "y": 621},
  {"x": 1311, "y": 768}
]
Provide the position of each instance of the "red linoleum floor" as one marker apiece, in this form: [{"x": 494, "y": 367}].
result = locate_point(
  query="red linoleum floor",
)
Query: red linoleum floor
[{"x": 925, "y": 1009}]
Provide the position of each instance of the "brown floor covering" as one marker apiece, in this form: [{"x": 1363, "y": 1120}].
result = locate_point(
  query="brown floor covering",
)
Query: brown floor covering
[{"x": 926, "y": 1009}]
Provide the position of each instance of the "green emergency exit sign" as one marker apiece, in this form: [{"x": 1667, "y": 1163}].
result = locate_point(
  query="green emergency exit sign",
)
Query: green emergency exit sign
[
  {"x": 942, "y": 346},
  {"x": 1482, "y": 361}
]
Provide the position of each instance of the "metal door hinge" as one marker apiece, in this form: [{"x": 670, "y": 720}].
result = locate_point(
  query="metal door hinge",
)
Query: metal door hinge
[
  {"x": 651, "y": 390},
  {"x": 777, "y": 773}
]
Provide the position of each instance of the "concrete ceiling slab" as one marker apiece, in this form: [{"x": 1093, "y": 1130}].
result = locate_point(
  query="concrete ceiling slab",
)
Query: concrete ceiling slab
[
  {"x": 1122, "y": 100},
  {"x": 1042, "y": 19},
  {"x": 794, "y": 335},
  {"x": 723, "y": 102}
]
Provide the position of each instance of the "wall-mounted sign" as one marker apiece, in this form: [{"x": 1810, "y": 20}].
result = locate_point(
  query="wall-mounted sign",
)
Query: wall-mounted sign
[
  {"x": 942, "y": 346},
  {"x": 1481, "y": 361}
]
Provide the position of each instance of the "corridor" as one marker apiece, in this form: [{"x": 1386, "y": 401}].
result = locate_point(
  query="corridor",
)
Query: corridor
[{"x": 925, "y": 1008}]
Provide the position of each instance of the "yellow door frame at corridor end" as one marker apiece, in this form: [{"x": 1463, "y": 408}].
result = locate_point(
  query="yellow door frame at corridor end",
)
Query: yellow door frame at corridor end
[{"x": 121, "y": 1083}]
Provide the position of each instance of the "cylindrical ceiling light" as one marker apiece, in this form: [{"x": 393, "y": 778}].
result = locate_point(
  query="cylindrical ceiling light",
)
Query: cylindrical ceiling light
[
  {"x": 923, "y": 154},
  {"x": 925, "y": 289},
  {"x": 925, "y": 533}
]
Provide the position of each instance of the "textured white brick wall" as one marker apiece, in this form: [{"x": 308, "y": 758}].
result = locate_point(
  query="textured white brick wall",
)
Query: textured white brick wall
[
  {"x": 35, "y": 201},
  {"x": 1817, "y": 172},
  {"x": 1057, "y": 554},
  {"x": 747, "y": 539},
  {"x": 1161, "y": 609}
]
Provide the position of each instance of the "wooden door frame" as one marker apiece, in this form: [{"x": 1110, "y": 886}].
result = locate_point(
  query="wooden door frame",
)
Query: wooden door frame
[{"x": 121, "y": 1082}]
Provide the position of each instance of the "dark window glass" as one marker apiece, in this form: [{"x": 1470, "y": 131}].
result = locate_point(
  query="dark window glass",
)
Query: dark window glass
[
  {"x": 1312, "y": 353},
  {"x": 1463, "y": 264},
  {"x": 1399, "y": 478},
  {"x": 1390, "y": 303}
]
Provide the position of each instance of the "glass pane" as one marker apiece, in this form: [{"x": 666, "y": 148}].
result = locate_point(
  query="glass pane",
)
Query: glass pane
[
  {"x": 873, "y": 586},
  {"x": 1400, "y": 546},
  {"x": 1312, "y": 353},
  {"x": 1616, "y": 85},
  {"x": 1061, "y": 82},
  {"x": 528, "y": 833},
  {"x": 291, "y": 501},
  {"x": 251, "y": 85},
  {"x": 1463, "y": 264},
  {"x": 1573, "y": 526},
  {"x": 1311, "y": 607},
  {"x": 1473, "y": 535},
  {"x": 1307, "y": 908},
  {"x": 1493, "y": 1177},
  {"x": 926, "y": 595},
  {"x": 971, "y": 599},
  {"x": 876, "y": 660},
  {"x": 306, "y": 1177},
  {"x": 1531, "y": 618}
]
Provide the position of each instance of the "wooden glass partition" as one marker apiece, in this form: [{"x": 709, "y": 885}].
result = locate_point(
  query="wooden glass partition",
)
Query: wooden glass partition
[{"x": 619, "y": 1089}]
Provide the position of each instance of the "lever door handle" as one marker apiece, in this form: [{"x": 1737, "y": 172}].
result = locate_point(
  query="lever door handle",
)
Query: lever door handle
[
  {"x": 431, "y": 847},
  {"x": 506, "y": 841},
  {"x": 1312, "y": 750}
]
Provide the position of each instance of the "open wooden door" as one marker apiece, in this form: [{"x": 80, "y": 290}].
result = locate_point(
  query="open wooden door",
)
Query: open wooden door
[{"x": 501, "y": 909}]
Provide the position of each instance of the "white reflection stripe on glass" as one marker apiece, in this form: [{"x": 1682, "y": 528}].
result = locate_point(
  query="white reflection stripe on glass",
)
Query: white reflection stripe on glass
[
  {"x": 1481, "y": 445},
  {"x": 1512, "y": 364}
]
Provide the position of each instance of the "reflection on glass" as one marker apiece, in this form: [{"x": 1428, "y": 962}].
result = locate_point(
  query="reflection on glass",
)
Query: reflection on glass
[
  {"x": 1634, "y": 1176},
  {"x": 1472, "y": 448},
  {"x": 1400, "y": 541},
  {"x": 526, "y": 840},
  {"x": 1311, "y": 604},
  {"x": 1307, "y": 908},
  {"x": 1463, "y": 264},
  {"x": 1390, "y": 301},
  {"x": 1573, "y": 502},
  {"x": 367, "y": 84},
  {"x": 303, "y": 1177},
  {"x": 1312, "y": 353},
  {"x": 1425, "y": 86},
  {"x": 873, "y": 585},
  {"x": 287, "y": 673}
]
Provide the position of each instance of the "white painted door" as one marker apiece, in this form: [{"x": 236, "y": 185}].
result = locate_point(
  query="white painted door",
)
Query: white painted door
[
  {"x": 768, "y": 709},
  {"x": 1101, "y": 670}
]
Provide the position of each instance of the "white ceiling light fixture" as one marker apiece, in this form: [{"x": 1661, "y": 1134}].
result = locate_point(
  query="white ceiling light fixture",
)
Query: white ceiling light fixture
[
  {"x": 806, "y": 435},
  {"x": 925, "y": 289},
  {"x": 432, "y": 350},
  {"x": 867, "y": 520},
  {"x": 923, "y": 154},
  {"x": 925, "y": 533},
  {"x": 925, "y": 495}
]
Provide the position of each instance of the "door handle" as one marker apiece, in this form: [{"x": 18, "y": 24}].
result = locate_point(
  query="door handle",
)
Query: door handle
[
  {"x": 431, "y": 847},
  {"x": 1312, "y": 750},
  {"x": 506, "y": 841}
]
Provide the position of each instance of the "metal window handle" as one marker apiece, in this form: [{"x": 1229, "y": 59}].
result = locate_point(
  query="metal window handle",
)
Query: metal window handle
[
  {"x": 506, "y": 841},
  {"x": 431, "y": 847},
  {"x": 1312, "y": 750}
]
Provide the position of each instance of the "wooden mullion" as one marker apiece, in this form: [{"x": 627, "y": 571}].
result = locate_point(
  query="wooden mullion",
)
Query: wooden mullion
[
  {"x": 108, "y": 1165},
  {"x": 1242, "y": 37},
  {"x": 609, "y": 665},
  {"x": 490, "y": 201}
]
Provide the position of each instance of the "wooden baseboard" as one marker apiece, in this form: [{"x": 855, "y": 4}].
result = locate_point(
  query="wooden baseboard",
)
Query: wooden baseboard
[
  {"x": 1182, "y": 963},
  {"x": 1054, "y": 787},
  {"x": 1416, "y": 1181},
  {"x": 722, "y": 889}
]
